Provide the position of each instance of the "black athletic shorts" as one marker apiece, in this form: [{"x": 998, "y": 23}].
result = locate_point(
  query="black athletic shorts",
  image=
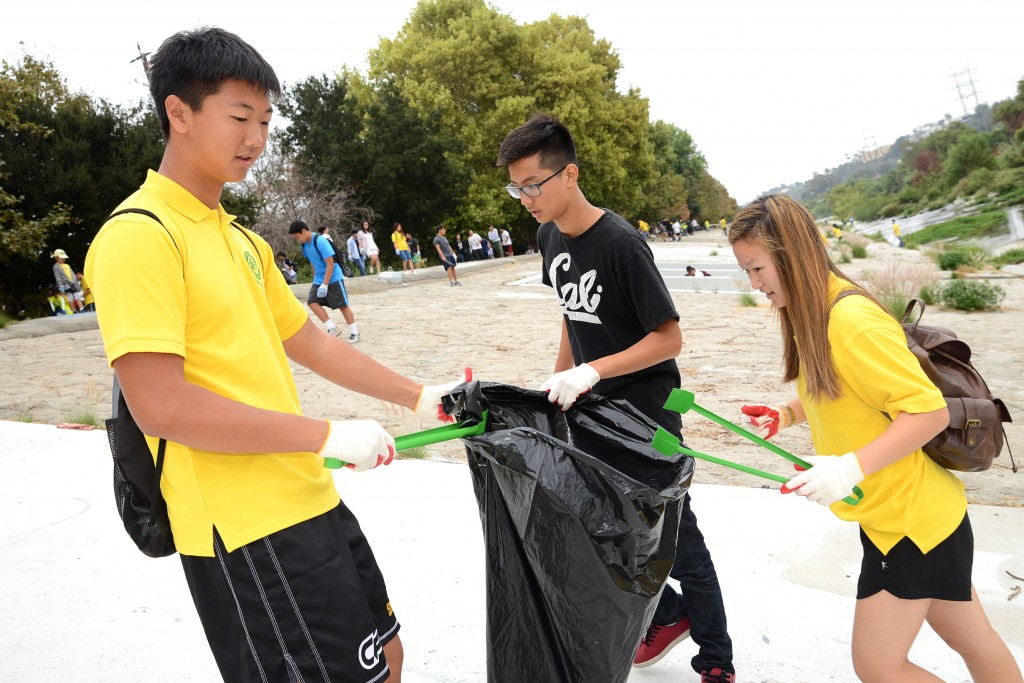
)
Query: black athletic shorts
[
  {"x": 944, "y": 573},
  {"x": 307, "y": 603},
  {"x": 337, "y": 296}
]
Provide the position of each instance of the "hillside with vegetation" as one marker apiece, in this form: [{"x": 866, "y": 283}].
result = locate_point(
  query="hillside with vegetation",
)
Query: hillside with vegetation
[{"x": 979, "y": 159}]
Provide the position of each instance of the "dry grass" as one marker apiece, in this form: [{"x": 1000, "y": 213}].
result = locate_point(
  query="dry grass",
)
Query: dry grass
[{"x": 895, "y": 284}]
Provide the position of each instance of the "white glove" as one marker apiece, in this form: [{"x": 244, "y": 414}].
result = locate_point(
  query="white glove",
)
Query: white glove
[
  {"x": 321, "y": 291},
  {"x": 429, "y": 402},
  {"x": 565, "y": 387},
  {"x": 764, "y": 421},
  {"x": 830, "y": 478},
  {"x": 362, "y": 444}
]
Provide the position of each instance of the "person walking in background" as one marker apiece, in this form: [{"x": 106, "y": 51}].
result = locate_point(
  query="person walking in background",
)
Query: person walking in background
[
  {"x": 67, "y": 283},
  {"x": 287, "y": 268},
  {"x": 328, "y": 288},
  {"x": 447, "y": 257},
  {"x": 284, "y": 582},
  {"x": 371, "y": 252},
  {"x": 506, "y": 242},
  {"x": 414, "y": 248},
  {"x": 494, "y": 237},
  {"x": 460, "y": 248},
  {"x": 88, "y": 300},
  {"x": 355, "y": 254},
  {"x": 621, "y": 343},
  {"x": 870, "y": 409},
  {"x": 476, "y": 248},
  {"x": 896, "y": 233},
  {"x": 402, "y": 248},
  {"x": 724, "y": 225}
]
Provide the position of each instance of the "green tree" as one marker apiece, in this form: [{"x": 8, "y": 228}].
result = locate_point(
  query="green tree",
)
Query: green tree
[
  {"x": 971, "y": 151},
  {"x": 67, "y": 162},
  {"x": 480, "y": 74},
  {"x": 324, "y": 133}
]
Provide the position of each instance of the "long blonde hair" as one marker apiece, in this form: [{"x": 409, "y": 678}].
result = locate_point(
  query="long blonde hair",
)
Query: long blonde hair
[{"x": 787, "y": 231}]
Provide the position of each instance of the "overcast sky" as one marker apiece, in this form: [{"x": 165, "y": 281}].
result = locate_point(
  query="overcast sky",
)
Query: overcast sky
[{"x": 770, "y": 90}]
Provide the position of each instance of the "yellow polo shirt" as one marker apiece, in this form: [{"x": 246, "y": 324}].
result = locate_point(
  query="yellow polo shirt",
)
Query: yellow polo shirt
[
  {"x": 913, "y": 496},
  {"x": 213, "y": 299}
]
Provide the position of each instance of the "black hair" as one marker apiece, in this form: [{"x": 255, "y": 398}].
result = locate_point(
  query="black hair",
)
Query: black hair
[
  {"x": 297, "y": 227},
  {"x": 321, "y": 230},
  {"x": 194, "y": 65},
  {"x": 440, "y": 228},
  {"x": 281, "y": 253},
  {"x": 542, "y": 134}
]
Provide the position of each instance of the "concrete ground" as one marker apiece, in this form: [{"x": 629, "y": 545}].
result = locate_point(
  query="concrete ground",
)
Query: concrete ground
[{"x": 81, "y": 604}]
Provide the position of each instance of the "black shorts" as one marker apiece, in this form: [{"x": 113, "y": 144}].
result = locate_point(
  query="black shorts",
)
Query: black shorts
[
  {"x": 449, "y": 261},
  {"x": 337, "y": 296},
  {"x": 305, "y": 603},
  {"x": 944, "y": 573}
]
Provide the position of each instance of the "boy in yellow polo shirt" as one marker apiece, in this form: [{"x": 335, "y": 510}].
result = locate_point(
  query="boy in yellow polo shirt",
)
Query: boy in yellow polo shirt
[{"x": 199, "y": 328}]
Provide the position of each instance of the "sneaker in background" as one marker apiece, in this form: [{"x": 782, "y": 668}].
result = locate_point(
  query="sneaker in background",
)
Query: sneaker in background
[
  {"x": 353, "y": 338},
  {"x": 336, "y": 331},
  {"x": 659, "y": 640},
  {"x": 717, "y": 675}
]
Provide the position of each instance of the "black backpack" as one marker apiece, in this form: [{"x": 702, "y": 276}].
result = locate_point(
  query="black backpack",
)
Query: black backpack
[
  {"x": 975, "y": 434},
  {"x": 140, "y": 504}
]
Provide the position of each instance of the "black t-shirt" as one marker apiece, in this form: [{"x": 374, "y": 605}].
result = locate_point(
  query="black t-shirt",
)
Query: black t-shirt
[{"x": 612, "y": 296}]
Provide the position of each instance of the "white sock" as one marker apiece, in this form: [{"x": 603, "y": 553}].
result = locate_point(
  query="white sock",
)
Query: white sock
[
  {"x": 353, "y": 329},
  {"x": 330, "y": 325}
]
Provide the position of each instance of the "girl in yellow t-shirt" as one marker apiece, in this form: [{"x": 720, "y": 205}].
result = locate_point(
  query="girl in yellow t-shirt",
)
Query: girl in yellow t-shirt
[{"x": 853, "y": 373}]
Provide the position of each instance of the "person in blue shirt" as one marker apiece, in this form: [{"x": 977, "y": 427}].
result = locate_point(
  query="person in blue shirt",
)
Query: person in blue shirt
[{"x": 328, "y": 288}]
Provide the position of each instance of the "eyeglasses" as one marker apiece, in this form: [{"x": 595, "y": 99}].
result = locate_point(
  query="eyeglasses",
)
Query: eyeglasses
[{"x": 531, "y": 190}]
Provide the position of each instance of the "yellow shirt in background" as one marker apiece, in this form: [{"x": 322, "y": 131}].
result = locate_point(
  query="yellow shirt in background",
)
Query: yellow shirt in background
[
  {"x": 914, "y": 496},
  {"x": 214, "y": 299},
  {"x": 398, "y": 238}
]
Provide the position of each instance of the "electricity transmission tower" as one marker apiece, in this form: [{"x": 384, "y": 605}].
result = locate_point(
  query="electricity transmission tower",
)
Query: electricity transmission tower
[
  {"x": 144, "y": 56},
  {"x": 965, "y": 89}
]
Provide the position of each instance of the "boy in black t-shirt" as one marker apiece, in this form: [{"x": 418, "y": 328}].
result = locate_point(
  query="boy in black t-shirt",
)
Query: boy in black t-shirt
[{"x": 620, "y": 337}]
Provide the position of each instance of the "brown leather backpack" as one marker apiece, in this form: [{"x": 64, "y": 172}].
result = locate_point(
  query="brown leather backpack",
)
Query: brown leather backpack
[{"x": 975, "y": 435}]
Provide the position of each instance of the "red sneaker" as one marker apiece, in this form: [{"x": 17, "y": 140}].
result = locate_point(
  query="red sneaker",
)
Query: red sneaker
[
  {"x": 717, "y": 675},
  {"x": 659, "y": 640}
]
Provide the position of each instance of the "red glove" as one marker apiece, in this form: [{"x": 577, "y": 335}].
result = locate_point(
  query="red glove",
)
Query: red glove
[{"x": 764, "y": 421}]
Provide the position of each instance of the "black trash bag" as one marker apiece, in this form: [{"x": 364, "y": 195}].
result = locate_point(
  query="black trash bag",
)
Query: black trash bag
[{"x": 580, "y": 517}]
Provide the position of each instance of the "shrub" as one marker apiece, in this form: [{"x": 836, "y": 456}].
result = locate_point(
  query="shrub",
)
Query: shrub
[
  {"x": 747, "y": 299},
  {"x": 4, "y": 321},
  {"x": 977, "y": 180},
  {"x": 897, "y": 283},
  {"x": 958, "y": 257},
  {"x": 971, "y": 295},
  {"x": 1011, "y": 256},
  {"x": 890, "y": 210},
  {"x": 859, "y": 251},
  {"x": 929, "y": 293}
]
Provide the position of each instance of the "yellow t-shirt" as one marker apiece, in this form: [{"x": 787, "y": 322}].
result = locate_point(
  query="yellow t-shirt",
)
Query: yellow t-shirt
[
  {"x": 398, "y": 238},
  {"x": 89, "y": 298},
  {"x": 209, "y": 297},
  {"x": 896, "y": 229},
  {"x": 914, "y": 496}
]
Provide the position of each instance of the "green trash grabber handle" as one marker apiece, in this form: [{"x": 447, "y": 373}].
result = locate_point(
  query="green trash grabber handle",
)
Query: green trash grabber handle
[
  {"x": 427, "y": 437},
  {"x": 682, "y": 401}
]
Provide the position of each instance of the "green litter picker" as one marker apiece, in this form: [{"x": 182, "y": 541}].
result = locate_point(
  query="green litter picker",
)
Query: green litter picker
[
  {"x": 682, "y": 401},
  {"x": 428, "y": 437}
]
